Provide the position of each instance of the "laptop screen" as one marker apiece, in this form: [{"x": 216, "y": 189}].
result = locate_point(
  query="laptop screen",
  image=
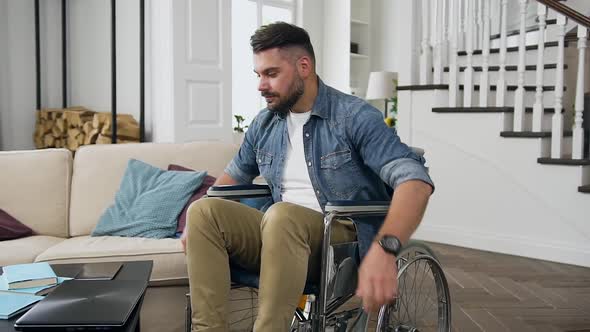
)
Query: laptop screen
[{"x": 86, "y": 303}]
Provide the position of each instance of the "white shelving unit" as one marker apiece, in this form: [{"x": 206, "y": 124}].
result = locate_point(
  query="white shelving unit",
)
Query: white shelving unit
[{"x": 348, "y": 22}]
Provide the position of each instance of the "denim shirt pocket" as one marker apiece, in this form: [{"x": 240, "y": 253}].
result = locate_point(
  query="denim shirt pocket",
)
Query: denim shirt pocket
[{"x": 340, "y": 173}]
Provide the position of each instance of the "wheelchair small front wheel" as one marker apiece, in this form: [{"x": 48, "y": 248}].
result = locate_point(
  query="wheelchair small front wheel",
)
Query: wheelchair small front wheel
[{"x": 423, "y": 302}]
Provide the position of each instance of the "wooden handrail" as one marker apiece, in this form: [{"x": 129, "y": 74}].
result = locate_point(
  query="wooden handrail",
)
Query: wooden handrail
[{"x": 570, "y": 13}]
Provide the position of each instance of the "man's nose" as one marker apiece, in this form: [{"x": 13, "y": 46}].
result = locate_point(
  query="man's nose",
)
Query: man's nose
[{"x": 262, "y": 85}]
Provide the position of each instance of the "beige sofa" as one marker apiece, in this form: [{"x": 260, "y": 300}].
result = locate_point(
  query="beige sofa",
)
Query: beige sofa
[{"x": 61, "y": 198}]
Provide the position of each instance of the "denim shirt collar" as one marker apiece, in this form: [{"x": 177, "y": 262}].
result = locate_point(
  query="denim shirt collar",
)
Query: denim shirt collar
[{"x": 321, "y": 105}]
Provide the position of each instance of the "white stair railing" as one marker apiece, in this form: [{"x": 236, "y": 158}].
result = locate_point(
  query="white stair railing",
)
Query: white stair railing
[
  {"x": 438, "y": 11},
  {"x": 468, "y": 82},
  {"x": 578, "y": 134},
  {"x": 538, "y": 105},
  {"x": 484, "y": 80},
  {"x": 454, "y": 22},
  {"x": 557, "y": 120},
  {"x": 479, "y": 34},
  {"x": 426, "y": 54},
  {"x": 445, "y": 35},
  {"x": 448, "y": 24},
  {"x": 462, "y": 15},
  {"x": 501, "y": 84},
  {"x": 519, "y": 93}
]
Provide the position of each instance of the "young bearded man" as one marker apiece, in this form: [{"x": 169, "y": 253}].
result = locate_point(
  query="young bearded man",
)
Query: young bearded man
[{"x": 312, "y": 144}]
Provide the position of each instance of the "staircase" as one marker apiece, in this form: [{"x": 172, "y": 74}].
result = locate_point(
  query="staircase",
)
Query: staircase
[{"x": 501, "y": 116}]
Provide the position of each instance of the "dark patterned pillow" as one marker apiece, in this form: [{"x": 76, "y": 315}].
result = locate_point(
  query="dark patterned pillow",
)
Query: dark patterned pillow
[
  {"x": 200, "y": 192},
  {"x": 10, "y": 228}
]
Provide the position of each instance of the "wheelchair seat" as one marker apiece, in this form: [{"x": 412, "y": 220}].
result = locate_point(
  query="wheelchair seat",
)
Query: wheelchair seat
[{"x": 244, "y": 278}]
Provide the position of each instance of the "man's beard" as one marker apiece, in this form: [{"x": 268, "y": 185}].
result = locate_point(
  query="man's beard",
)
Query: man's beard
[{"x": 285, "y": 104}]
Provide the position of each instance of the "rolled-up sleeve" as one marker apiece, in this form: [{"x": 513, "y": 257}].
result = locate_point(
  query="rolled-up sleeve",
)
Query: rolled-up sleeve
[
  {"x": 401, "y": 170},
  {"x": 383, "y": 151},
  {"x": 243, "y": 167}
]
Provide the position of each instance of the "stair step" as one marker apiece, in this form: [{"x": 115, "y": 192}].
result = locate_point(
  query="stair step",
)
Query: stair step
[
  {"x": 529, "y": 29},
  {"x": 584, "y": 189},
  {"x": 488, "y": 109},
  {"x": 507, "y": 68},
  {"x": 512, "y": 49},
  {"x": 514, "y": 87},
  {"x": 531, "y": 134},
  {"x": 424, "y": 87},
  {"x": 564, "y": 161}
]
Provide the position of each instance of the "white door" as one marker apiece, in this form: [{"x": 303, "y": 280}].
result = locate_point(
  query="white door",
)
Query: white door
[{"x": 202, "y": 70}]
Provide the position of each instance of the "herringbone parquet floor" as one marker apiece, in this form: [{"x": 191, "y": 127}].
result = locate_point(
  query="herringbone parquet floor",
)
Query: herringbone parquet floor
[{"x": 496, "y": 292}]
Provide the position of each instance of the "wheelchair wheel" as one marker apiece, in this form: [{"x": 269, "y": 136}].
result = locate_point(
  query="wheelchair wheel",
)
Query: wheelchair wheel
[
  {"x": 411, "y": 250},
  {"x": 423, "y": 302},
  {"x": 242, "y": 308}
]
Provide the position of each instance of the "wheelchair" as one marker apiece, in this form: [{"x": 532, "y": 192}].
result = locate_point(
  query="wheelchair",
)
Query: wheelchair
[{"x": 423, "y": 302}]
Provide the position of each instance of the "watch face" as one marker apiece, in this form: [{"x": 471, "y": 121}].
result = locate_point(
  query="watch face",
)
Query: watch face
[{"x": 391, "y": 244}]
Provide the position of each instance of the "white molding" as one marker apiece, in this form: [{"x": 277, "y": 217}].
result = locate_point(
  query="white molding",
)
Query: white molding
[{"x": 505, "y": 243}]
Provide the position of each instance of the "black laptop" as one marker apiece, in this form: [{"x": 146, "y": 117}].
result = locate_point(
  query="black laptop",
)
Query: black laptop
[{"x": 84, "y": 305}]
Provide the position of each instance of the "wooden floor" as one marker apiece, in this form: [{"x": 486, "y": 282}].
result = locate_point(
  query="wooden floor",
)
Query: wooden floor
[{"x": 495, "y": 292}]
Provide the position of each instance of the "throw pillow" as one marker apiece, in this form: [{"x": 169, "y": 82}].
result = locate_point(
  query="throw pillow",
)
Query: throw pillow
[
  {"x": 200, "y": 192},
  {"x": 11, "y": 229},
  {"x": 148, "y": 202}
]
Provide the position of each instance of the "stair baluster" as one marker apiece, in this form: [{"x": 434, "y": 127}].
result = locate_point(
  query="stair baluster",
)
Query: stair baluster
[
  {"x": 519, "y": 93},
  {"x": 426, "y": 54},
  {"x": 462, "y": 15},
  {"x": 445, "y": 36},
  {"x": 578, "y": 134},
  {"x": 479, "y": 35},
  {"x": 538, "y": 105},
  {"x": 557, "y": 120},
  {"x": 484, "y": 80},
  {"x": 468, "y": 86},
  {"x": 454, "y": 21},
  {"x": 501, "y": 85},
  {"x": 438, "y": 12}
]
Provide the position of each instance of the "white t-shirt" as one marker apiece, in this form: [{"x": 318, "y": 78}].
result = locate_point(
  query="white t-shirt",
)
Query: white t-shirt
[{"x": 296, "y": 186}]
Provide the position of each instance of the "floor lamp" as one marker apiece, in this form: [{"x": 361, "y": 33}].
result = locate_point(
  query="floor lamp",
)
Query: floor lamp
[{"x": 382, "y": 85}]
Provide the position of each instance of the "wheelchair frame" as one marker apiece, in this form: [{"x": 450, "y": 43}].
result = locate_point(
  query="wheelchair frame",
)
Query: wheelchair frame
[{"x": 321, "y": 309}]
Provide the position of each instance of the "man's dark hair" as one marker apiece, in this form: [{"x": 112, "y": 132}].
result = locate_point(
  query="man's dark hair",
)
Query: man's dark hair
[{"x": 281, "y": 35}]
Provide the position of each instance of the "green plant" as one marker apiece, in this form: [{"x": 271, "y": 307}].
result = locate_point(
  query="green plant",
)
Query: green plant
[{"x": 240, "y": 120}]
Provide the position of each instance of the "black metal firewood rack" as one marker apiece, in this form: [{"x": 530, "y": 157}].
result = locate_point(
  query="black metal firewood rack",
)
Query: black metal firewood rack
[{"x": 113, "y": 64}]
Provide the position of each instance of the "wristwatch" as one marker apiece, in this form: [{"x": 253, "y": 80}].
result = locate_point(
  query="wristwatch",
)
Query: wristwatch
[{"x": 391, "y": 244}]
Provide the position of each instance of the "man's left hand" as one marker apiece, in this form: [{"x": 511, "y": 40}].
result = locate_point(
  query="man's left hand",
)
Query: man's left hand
[{"x": 377, "y": 279}]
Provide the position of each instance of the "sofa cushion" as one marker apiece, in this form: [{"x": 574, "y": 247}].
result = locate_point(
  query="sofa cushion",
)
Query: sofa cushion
[
  {"x": 167, "y": 255},
  {"x": 148, "y": 202},
  {"x": 35, "y": 188},
  {"x": 98, "y": 170},
  {"x": 198, "y": 194},
  {"x": 11, "y": 229},
  {"x": 26, "y": 249}
]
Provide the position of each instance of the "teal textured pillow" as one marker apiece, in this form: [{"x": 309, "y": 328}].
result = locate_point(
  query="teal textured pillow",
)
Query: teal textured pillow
[{"x": 148, "y": 202}]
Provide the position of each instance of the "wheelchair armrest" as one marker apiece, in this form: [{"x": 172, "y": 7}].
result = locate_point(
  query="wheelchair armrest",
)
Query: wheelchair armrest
[
  {"x": 239, "y": 191},
  {"x": 358, "y": 208}
]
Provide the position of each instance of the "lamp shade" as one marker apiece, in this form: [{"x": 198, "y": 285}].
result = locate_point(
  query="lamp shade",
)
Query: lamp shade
[{"x": 382, "y": 85}]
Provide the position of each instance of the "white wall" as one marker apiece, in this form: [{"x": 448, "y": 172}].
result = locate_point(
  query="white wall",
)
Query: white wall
[
  {"x": 89, "y": 70},
  {"x": 394, "y": 43},
  {"x": 311, "y": 18},
  {"x": 18, "y": 74},
  {"x": 491, "y": 193}
]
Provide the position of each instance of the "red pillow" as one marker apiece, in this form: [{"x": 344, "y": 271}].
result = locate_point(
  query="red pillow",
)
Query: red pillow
[
  {"x": 11, "y": 228},
  {"x": 200, "y": 192}
]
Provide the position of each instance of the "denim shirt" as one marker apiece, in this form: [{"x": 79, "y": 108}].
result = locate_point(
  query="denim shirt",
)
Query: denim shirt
[{"x": 350, "y": 153}]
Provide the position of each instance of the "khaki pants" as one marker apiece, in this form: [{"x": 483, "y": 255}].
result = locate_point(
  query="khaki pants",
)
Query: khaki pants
[{"x": 283, "y": 244}]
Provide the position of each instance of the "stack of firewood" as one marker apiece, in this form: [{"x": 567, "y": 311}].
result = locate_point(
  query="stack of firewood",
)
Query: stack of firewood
[{"x": 75, "y": 126}]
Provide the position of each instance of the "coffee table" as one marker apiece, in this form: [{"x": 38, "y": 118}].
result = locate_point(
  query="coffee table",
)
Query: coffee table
[{"x": 136, "y": 270}]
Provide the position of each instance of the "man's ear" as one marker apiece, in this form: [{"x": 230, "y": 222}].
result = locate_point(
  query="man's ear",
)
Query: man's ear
[{"x": 304, "y": 66}]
